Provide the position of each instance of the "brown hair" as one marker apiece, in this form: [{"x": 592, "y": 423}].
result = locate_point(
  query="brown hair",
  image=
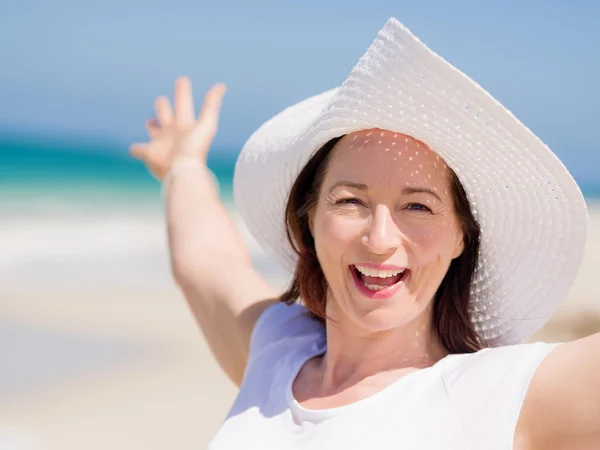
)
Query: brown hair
[{"x": 451, "y": 313}]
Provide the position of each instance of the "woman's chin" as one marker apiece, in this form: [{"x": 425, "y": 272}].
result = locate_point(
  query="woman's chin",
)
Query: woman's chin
[
  {"x": 376, "y": 315},
  {"x": 382, "y": 317}
]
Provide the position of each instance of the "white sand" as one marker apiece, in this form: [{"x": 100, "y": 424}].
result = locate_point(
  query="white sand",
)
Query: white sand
[{"x": 100, "y": 351}]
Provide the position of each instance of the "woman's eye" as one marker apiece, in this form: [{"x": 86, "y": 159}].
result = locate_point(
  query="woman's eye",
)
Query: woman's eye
[
  {"x": 418, "y": 207},
  {"x": 348, "y": 201}
]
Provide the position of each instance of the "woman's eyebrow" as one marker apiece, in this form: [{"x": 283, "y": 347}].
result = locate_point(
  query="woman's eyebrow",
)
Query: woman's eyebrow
[
  {"x": 417, "y": 190},
  {"x": 349, "y": 184}
]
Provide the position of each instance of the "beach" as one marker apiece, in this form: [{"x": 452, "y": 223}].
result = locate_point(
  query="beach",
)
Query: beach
[{"x": 100, "y": 349}]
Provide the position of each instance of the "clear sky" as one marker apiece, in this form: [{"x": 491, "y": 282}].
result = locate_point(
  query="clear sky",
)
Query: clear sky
[{"x": 92, "y": 68}]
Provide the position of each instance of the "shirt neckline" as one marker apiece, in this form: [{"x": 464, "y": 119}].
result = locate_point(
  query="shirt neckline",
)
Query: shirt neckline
[{"x": 317, "y": 415}]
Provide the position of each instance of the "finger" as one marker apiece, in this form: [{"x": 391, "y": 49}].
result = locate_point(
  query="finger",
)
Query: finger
[
  {"x": 184, "y": 102},
  {"x": 212, "y": 102},
  {"x": 164, "y": 113},
  {"x": 208, "y": 119},
  {"x": 153, "y": 128},
  {"x": 138, "y": 151}
]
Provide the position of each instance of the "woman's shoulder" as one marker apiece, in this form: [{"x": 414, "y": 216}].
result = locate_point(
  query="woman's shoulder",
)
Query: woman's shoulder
[
  {"x": 283, "y": 325},
  {"x": 487, "y": 389},
  {"x": 496, "y": 362},
  {"x": 283, "y": 337}
]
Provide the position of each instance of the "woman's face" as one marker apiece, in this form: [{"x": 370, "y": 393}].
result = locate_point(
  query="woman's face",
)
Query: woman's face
[{"x": 385, "y": 229}]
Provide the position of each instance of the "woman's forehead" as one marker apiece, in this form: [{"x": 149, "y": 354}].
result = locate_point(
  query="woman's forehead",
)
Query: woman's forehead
[
  {"x": 382, "y": 139},
  {"x": 383, "y": 150}
]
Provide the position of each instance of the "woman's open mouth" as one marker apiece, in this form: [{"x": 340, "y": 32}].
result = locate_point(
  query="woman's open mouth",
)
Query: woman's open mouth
[{"x": 376, "y": 282}]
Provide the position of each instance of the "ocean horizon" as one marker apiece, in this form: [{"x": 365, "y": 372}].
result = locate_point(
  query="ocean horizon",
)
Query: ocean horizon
[{"x": 33, "y": 169}]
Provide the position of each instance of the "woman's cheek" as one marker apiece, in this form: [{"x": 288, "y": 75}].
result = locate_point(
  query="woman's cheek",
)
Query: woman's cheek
[
  {"x": 429, "y": 243},
  {"x": 422, "y": 235},
  {"x": 342, "y": 229}
]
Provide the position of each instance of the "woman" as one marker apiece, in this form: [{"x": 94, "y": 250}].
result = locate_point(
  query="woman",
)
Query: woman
[{"x": 428, "y": 231}]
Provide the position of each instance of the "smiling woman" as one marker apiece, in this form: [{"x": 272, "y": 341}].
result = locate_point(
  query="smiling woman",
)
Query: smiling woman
[
  {"x": 428, "y": 231},
  {"x": 389, "y": 173}
]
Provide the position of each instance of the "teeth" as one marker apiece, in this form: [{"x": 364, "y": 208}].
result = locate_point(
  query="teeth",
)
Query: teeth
[
  {"x": 374, "y": 287},
  {"x": 378, "y": 273}
]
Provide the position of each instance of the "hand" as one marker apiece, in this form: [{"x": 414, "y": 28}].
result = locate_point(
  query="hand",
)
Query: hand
[{"x": 178, "y": 134}]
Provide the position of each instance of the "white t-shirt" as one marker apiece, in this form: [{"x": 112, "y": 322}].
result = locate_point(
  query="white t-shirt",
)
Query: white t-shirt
[{"x": 469, "y": 401}]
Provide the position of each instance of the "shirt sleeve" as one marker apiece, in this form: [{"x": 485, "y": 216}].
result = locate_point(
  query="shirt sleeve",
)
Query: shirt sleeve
[
  {"x": 487, "y": 390},
  {"x": 281, "y": 321}
]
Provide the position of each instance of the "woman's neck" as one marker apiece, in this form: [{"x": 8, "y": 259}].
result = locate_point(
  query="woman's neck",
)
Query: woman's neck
[{"x": 354, "y": 355}]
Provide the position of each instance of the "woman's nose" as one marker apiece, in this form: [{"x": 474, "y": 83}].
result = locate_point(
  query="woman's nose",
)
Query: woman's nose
[{"x": 382, "y": 236}]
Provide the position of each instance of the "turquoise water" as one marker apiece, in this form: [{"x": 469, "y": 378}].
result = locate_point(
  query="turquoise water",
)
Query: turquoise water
[
  {"x": 96, "y": 171},
  {"x": 69, "y": 169}
]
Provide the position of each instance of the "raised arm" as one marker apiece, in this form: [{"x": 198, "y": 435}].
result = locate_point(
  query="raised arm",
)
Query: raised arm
[
  {"x": 562, "y": 406},
  {"x": 208, "y": 257}
]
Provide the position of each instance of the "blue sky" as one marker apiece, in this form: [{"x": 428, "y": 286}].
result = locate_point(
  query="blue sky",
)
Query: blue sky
[{"x": 92, "y": 69}]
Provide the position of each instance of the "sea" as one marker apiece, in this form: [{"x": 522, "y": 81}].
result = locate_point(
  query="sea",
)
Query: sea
[
  {"x": 70, "y": 172},
  {"x": 82, "y": 214}
]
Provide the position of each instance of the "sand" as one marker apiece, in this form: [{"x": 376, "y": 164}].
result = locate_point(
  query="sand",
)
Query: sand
[{"x": 93, "y": 362}]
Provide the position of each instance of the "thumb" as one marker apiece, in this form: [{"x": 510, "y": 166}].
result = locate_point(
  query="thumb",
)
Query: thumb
[{"x": 138, "y": 151}]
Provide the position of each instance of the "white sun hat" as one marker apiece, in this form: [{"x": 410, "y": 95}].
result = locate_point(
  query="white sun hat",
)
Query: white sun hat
[{"x": 531, "y": 212}]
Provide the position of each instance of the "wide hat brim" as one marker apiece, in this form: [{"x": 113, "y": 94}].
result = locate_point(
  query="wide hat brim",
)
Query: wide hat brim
[{"x": 531, "y": 212}]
